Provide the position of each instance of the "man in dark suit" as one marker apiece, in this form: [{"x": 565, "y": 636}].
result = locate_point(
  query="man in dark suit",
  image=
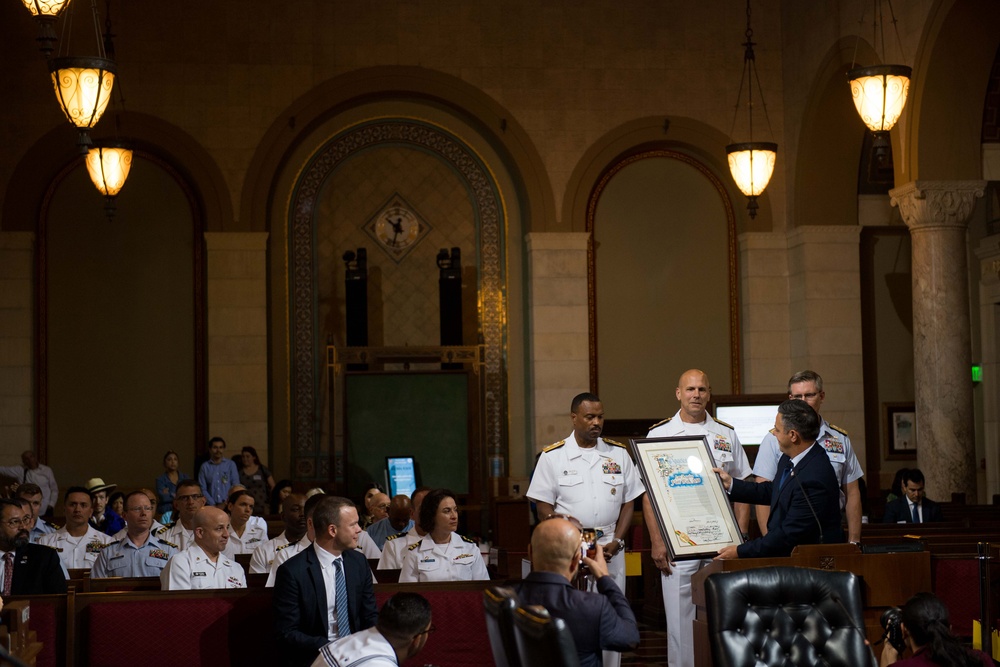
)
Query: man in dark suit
[
  {"x": 805, "y": 495},
  {"x": 310, "y": 607},
  {"x": 29, "y": 569},
  {"x": 599, "y": 621},
  {"x": 913, "y": 507}
]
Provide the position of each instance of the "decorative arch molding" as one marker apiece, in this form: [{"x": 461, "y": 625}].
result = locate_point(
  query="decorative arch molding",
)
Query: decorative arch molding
[
  {"x": 733, "y": 268},
  {"x": 491, "y": 219}
]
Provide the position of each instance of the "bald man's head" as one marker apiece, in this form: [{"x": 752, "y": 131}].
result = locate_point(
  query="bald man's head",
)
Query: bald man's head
[
  {"x": 211, "y": 530},
  {"x": 694, "y": 392},
  {"x": 555, "y": 547}
]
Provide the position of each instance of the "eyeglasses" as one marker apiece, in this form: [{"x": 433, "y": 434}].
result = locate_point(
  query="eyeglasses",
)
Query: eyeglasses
[
  {"x": 381, "y": 507},
  {"x": 804, "y": 397},
  {"x": 23, "y": 521},
  {"x": 190, "y": 498},
  {"x": 426, "y": 632}
]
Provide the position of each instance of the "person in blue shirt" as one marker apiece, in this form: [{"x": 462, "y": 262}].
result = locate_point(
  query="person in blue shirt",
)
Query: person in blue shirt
[
  {"x": 397, "y": 521},
  {"x": 217, "y": 475},
  {"x": 166, "y": 484},
  {"x": 139, "y": 553}
]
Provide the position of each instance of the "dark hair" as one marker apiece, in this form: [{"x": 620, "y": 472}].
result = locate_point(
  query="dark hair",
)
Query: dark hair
[
  {"x": 28, "y": 489},
  {"x": 9, "y": 502},
  {"x": 419, "y": 489},
  {"x": 581, "y": 398},
  {"x": 805, "y": 376},
  {"x": 169, "y": 452},
  {"x": 185, "y": 483},
  {"x": 276, "y": 494},
  {"x": 897, "y": 481},
  {"x": 327, "y": 512},
  {"x": 913, "y": 475},
  {"x": 235, "y": 495},
  {"x": 217, "y": 439},
  {"x": 311, "y": 502},
  {"x": 926, "y": 619},
  {"x": 119, "y": 494},
  {"x": 252, "y": 452},
  {"x": 404, "y": 616},
  {"x": 75, "y": 489},
  {"x": 429, "y": 507},
  {"x": 799, "y": 415}
]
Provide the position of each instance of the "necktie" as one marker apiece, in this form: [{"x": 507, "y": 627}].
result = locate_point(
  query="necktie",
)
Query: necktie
[
  {"x": 916, "y": 513},
  {"x": 340, "y": 586},
  {"x": 784, "y": 477},
  {"x": 8, "y": 572}
]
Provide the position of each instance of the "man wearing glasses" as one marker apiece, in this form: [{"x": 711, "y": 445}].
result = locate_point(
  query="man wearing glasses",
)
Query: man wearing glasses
[
  {"x": 404, "y": 624},
  {"x": 187, "y": 502},
  {"x": 808, "y": 386},
  {"x": 25, "y": 568},
  {"x": 139, "y": 553}
]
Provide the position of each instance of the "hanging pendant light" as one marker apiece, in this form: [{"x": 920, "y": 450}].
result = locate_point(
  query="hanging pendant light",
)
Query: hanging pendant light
[
  {"x": 46, "y": 12},
  {"x": 879, "y": 91},
  {"x": 108, "y": 164},
  {"x": 752, "y": 162}
]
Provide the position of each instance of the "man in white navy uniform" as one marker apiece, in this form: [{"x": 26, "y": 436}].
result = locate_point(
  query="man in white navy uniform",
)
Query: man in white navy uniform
[
  {"x": 808, "y": 386},
  {"x": 694, "y": 393},
  {"x": 78, "y": 543},
  {"x": 404, "y": 623},
  {"x": 396, "y": 545},
  {"x": 293, "y": 514},
  {"x": 204, "y": 564},
  {"x": 592, "y": 479}
]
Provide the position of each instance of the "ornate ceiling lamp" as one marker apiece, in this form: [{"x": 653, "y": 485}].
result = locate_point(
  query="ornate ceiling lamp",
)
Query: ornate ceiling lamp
[
  {"x": 752, "y": 162},
  {"x": 46, "y": 12},
  {"x": 83, "y": 85},
  {"x": 879, "y": 91}
]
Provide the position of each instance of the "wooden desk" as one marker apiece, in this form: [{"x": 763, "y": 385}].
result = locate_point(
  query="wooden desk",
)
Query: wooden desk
[
  {"x": 16, "y": 634},
  {"x": 888, "y": 580}
]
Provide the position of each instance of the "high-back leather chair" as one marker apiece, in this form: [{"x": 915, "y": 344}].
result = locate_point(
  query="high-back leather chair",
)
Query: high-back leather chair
[
  {"x": 499, "y": 603},
  {"x": 786, "y": 616},
  {"x": 543, "y": 641}
]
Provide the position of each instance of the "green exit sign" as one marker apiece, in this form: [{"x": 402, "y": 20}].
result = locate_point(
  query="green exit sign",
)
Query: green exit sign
[{"x": 977, "y": 373}]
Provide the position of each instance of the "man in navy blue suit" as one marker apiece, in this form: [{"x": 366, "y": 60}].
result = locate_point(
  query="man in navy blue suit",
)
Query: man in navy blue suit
[
  {"x": 913, "y": 507},
  {"x": 25, "y": 568},
  {"x": 325, "y": 592},
  {"x": 599, "y": 621},
  {"x": 804, "y": 496}
]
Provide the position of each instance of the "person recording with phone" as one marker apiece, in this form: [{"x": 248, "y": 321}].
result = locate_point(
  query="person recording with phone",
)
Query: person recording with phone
[
  {"x": 923, "y": 626},
  {"x": 804, "y": 498},
  {"x": 600, "y": 620}
]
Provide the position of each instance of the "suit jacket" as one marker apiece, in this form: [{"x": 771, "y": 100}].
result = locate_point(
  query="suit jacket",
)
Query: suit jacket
[
  {"x": 899, "y": 510},
  {"x": 300, "y": 609},
  {"x": 792, "y": 521},
  {"x": 37, "y": 571},
  {"x": 599, "y": 621}
]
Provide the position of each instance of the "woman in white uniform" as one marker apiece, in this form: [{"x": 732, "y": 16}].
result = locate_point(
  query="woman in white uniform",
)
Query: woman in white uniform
[
  {"x": 443, "y": 554},
  {"x": 244, "y": 535}
]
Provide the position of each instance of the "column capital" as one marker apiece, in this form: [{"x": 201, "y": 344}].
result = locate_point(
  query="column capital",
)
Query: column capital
[{"x": 936, "y": 204}]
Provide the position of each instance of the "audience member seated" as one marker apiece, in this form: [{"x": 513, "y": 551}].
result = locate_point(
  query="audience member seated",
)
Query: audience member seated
[
  {"x": 187, "y": 502},
  {"x": 243, "y": 537},
  {"x": 293, "y": 515},
  {"x": 294, "y": 548},
  {"x": 203, "y": 564},
  {"x": 443, "y": 555},
  {"x": 913, "y": 507},
  {"x": 156, "y": 528},
  {"x": 166, "y": 484},
  {"x": 896, "y": 490},
  {"x": 25, "y": 568},
  {"x": 116, "y": 501},
  {"x": 926, "y": 630},
  {"x": 257, "y": 479},
  {"x": 396, "y": 545},
  {"x": 404, "y": 624},
  {"x": 279, "y": 493},
  {"x": 397, "y": 521},
  {"x": 104, "y": 518},
  {"x": 139, "y": 553},
  {"x": 217, "y": 475},
  {"x": 77, "y": 543},
  {"x": 364, "y": 510},
  {"x": 31, "y": 494},
  {"x": 600, "y": 620},
  {"x": 31, "y": 471}
]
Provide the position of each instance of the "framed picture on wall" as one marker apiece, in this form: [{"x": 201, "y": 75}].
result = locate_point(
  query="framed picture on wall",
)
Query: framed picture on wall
[{"x": 900, "y": 430}]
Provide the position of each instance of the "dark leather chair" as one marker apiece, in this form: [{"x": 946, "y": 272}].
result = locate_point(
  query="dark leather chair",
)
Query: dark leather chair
[
  {"x": 543, "y": 641},
  {"x": 500, "y": 603},
  {"x": 786, "y": 616}
]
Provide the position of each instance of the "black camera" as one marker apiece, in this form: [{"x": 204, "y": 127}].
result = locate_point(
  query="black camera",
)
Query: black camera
[{"x": 893, "y": 632}]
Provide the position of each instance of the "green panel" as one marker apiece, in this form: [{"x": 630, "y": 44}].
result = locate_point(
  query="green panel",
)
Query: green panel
[{"x": 424, "y": 415}]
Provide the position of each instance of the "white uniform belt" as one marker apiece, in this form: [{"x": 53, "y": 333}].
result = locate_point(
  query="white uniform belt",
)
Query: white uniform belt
[{"x": 606, "y": 531}]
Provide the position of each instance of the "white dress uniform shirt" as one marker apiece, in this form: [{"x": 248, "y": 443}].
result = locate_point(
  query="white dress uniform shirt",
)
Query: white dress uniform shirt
[
  {"x": 191, "y": 569},
  {"x": 283, "y": 554},
  {"x": 459, "y": 560},
  {"x": 263, "y": 556},
  {"x": 367, "y": 646},
  {"x": 178, "y": 535},
  {"x": 395, "y": 549},
  {"x": 253, "y": 537},
  {"x": 367, "y": 546},
  {"x": 77, "y": 552},
  {"x": 729, "y": 455}
]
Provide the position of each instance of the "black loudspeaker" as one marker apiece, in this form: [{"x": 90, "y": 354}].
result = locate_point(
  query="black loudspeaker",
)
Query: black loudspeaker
[
  {"x": 450, "y": 295},
  {"x": 356, "y": 300}
]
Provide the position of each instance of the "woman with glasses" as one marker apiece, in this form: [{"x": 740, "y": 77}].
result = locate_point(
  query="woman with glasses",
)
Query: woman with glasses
[{"x": 443, "y": 554}]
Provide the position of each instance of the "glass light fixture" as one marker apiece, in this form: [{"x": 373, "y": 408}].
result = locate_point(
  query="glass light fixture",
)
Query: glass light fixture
[
  {"x": 751, "y": 162},
  {"x": 108, "y": 164},
  {"x": 83, "y": 88},
  {"x": 879, "y": 91},
  {"x": 46, "y": 12}
]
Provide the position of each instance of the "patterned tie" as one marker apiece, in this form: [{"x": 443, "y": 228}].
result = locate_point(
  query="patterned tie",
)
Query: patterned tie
[
  {"x": 340, "y": 586},
  {"x": 916, "y": 513},
  {"x": 8, "y": 572}
]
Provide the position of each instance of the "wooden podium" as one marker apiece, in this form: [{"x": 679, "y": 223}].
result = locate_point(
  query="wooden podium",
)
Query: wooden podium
[{"x": 888, "y": 580}]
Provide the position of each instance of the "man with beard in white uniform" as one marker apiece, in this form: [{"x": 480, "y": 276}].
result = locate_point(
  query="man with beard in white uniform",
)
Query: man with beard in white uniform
[
  {"x": 694, "y": 393},
  {"x": 594, "y": 480}
]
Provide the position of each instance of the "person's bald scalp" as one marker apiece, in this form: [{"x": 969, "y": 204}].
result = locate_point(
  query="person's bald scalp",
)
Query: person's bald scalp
[
  {"x": 554, "y": 544},
  {"x": 208, "y": 516},
  {"x": 699, "y": 376}
]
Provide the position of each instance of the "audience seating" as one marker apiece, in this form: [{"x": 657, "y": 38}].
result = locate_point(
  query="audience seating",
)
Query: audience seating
[{"x": 500, "y": 604}]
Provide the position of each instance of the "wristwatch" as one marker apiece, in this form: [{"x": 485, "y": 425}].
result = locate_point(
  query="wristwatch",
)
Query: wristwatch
[{"x": 621, "y": 543}]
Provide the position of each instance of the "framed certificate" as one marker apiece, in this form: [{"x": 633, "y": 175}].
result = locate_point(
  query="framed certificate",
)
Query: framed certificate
[{"x": 691, "y": 506}]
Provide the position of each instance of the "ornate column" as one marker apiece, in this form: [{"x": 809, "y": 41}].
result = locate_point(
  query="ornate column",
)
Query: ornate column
[{"x": 937, "y": 214}]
